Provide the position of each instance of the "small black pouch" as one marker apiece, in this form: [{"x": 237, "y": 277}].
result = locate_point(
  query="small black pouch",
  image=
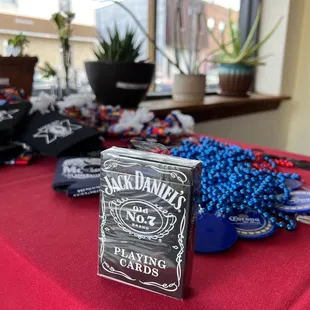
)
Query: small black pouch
[
  {"x": 10, "y": 150},
  {"x": 12, "y": 119},
  {"x": 77, "y": 176},
  {"x": 56, "y": 135}
]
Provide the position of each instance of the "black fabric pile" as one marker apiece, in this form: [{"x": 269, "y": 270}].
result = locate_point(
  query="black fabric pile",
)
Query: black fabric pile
[{"x": 51, "y": 134}]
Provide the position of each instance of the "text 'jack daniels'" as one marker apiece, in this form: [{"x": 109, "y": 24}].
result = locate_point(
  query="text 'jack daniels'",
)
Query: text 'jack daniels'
[{"x": 139, "y": 182}]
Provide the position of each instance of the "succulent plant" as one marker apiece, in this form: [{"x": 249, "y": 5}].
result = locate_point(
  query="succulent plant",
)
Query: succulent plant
[
  {"x": 119, "y": 48},
  {"x": 20, "y": 41},
  {"x": 234, "y": 52}
]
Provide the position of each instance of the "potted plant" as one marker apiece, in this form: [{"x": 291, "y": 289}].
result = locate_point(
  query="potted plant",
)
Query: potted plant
[
  {"x": 190, "y": 83},
  {"x": 237, "y": 62},
  {"x": 19, "y": 69},
  {"x": 117, "y": 77},
  {"x": 63, "y": 21}
]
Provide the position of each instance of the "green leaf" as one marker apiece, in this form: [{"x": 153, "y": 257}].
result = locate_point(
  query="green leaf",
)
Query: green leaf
[
  {"x": 48, "y": 71},
  {"x": 119, "y": 48},
  {"x": 19, "y": 41},
  {"x": 235, "y": 35},
  {"x": 246, "y": 53},
  {"x": 252, "y": 32},
  {"x": 255, "y": 48}
]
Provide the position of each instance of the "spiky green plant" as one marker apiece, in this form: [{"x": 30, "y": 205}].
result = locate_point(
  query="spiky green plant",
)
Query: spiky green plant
[
  {"x": 236, "y": 53},
  {"x": 48, "y": 71},
  {"x": 20, "y": 41},
  {"x": 117, "y": 48}
]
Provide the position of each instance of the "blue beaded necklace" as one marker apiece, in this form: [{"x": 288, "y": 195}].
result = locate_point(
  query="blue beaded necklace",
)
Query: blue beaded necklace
[{"x": 230, "y": 182}]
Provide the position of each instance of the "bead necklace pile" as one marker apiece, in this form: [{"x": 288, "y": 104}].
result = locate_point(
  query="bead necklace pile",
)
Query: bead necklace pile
[
  {"x": 262, "y": 162},
  {"x": 234, "y": 180},
  {"x": 106, "y": 119}
]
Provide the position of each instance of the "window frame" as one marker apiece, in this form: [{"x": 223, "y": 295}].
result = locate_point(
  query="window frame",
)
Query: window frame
[{"x": 247, "y": 13}]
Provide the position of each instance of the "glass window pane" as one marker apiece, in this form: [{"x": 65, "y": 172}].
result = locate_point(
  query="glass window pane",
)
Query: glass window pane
[
  {"x": 94, "y": 16},
  {"x": 34, "y": 21},
  {"x": 216, "y": 15}
]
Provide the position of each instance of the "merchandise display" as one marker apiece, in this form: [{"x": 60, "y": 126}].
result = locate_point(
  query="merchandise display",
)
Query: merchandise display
[{"x": 151, "y": 191}]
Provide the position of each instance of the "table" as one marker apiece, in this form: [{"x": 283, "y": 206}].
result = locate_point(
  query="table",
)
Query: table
[{"x": 48, "y": 257}]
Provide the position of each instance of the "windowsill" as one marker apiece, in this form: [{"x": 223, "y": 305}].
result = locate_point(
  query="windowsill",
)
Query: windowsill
[{"x": 216, "y": 107}]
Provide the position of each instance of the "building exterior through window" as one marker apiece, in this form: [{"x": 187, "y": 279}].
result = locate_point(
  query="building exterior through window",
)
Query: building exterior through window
[{"x": 94, "y": 16}]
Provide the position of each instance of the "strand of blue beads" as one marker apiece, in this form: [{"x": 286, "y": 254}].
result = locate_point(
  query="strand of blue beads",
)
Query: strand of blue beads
[{"x": 229, "y": 181}]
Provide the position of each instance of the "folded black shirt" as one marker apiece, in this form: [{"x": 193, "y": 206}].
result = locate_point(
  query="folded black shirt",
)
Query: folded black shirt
[
  {"x": 12, "y": 119},
  {"x": 77, "y": 176},
  {"x": 9, "y": 151},
  {"x": 57, "y": 135}
]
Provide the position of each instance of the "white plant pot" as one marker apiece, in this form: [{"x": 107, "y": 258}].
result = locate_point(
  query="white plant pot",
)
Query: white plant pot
[{"x": 189, "y": 87}]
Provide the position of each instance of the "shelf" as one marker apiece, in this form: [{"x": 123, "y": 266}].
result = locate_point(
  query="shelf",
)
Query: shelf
[{"x": 216, "y": 107}]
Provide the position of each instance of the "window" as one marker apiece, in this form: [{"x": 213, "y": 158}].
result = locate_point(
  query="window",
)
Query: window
[
  {"x": 94, "y": 16},
  {"x": 222, "y": 26},
  {"x": 42, "y": 34},
  {"x": 215, "y": 13},
  {"x": 211, "y": 23},
  {"x": 9, "y": 50}
]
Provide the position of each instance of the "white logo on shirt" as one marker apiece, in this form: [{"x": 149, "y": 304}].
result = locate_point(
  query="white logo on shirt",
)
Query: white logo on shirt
[
  {"x": 81, "y": 168},
  {"x": 5, "y": 115},
  {"x": 56, "y": 130}
]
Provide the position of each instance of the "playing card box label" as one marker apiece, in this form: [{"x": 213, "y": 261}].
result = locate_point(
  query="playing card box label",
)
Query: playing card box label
[{"x": 148, "y": 209}]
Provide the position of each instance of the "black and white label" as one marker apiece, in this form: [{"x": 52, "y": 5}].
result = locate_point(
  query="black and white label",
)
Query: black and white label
[{"x": 131, "y": 86}]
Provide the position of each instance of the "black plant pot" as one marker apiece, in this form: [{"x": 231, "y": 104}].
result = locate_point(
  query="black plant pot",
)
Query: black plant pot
[{"x": 117, "y": 83}]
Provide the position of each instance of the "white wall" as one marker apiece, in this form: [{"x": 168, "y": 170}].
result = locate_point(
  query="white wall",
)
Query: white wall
[
  {"x": 260, "y": 128},
  {"x": 297, "y": 78},
  {"x": 269, "y": 77}
]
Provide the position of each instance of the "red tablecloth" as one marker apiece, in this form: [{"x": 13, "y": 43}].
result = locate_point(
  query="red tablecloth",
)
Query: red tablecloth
[{"x": 48, "y": 258}]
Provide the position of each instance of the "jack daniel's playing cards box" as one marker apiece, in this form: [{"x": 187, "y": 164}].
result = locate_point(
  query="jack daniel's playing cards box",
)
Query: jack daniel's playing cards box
[{"x": 148, "y": 211}]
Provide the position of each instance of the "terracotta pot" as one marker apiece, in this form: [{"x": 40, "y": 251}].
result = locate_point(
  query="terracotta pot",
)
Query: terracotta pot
[
  {"x": 235, "y": 80},
  {"x": 19, "y": 71},
  {"x": 189, "y": 87}
]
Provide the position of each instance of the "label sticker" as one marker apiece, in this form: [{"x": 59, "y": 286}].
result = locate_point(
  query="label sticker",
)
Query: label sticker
[{"x": 250, "y": 224}]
